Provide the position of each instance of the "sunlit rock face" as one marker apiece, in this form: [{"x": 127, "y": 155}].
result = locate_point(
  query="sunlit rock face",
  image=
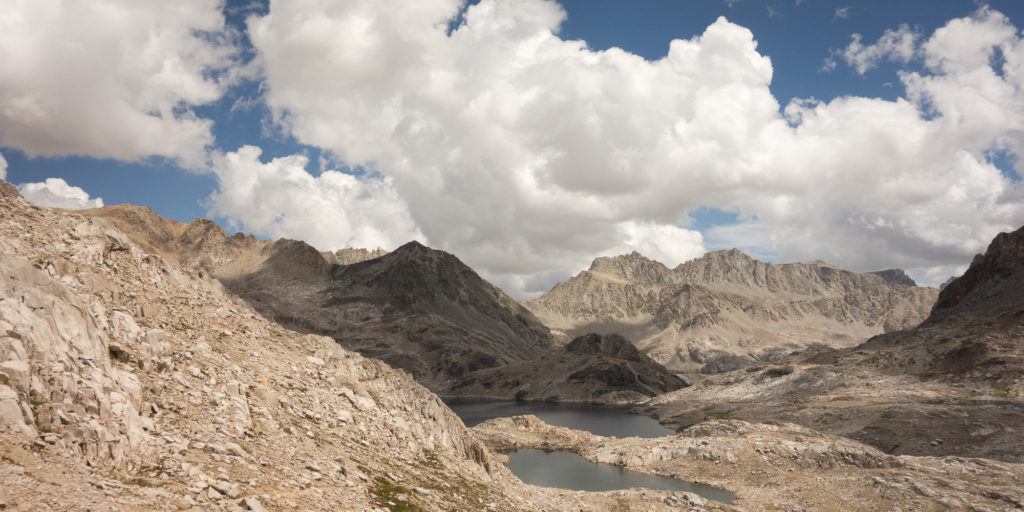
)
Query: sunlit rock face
[{"x": 726, "y": 310}]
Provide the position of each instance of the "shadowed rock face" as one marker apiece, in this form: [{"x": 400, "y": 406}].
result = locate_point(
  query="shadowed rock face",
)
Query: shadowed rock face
[
  {"x": 896, "y": 276},
  {"x": 976, "y": 326},
  {"x": 611, "y": 345},
  {"x": 993, "y": 282},
  {"x": 417, "y": 308},
  {"x": 727, "y": 310},
  {"x": 593, "y": 367}
]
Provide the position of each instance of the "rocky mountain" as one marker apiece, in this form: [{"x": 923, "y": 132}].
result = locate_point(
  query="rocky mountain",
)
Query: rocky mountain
[
  {"x": 952, "y": 385},
  {"x": 726, "y": 310},
  {"x": 129, "y": 381},
  {"x": 416, "y": 308},
  {"x": 976, "y": 328},
  {"x": 592, "y": 368}
]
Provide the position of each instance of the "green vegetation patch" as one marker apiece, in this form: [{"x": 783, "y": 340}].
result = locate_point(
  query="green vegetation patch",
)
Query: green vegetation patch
[{"x": 392, "y": 496}]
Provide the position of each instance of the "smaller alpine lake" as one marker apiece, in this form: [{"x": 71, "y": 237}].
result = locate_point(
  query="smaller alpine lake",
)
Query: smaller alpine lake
[{"x": 566, "y": 470}]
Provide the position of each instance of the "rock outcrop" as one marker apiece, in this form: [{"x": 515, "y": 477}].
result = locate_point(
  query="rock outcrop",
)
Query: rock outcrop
[
  {"x": 593, "y": 368},
  {"x": 727, "y": 310}
]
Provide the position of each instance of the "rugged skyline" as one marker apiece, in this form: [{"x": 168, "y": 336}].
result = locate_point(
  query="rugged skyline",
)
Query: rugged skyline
[{"x": 519, "y": 136}]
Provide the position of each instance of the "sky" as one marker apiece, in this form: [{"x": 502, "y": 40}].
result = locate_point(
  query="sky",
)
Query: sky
[{"x": 529, "y": 136}]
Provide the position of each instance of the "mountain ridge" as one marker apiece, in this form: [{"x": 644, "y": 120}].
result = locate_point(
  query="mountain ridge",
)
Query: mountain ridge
[
  {"x": 727, "y": 308},
  {"x": 417, "y": 308}
]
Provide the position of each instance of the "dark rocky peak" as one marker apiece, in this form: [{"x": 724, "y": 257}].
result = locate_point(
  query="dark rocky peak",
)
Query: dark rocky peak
[
  {"x": 296, "y": 260},
  {"x": 611, "y": 345},
  {"x": 895, "y": 276},
  {"x": 414, "y": 247},
  {"x": 415, "y": 257},
  {"x": 993, "y": 279},
  {"x": 631, "y": 267},
  {"x": 415, "y": 274}
]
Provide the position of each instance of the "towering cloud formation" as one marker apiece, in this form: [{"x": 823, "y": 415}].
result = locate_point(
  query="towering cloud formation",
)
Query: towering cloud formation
[
  {"x": 526, "y": 153},
  {"x": 111, "y": 78}
]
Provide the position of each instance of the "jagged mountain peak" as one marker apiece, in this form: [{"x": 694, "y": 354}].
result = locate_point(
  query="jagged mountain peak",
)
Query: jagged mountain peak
[
  {"x": 727, "y": 304},
  {"x": 630, "y": 267},
  {"x": 895, "y": 276},
  {"x": 417, "y": 275},
  {"x": 994, "y": 279},
  {"x": 413, "y": 245}
]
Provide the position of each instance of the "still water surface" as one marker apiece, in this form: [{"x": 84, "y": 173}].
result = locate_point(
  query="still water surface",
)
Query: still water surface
[
  {"x": 569, "y": 471},
  {"x": 603, "y": 421}
]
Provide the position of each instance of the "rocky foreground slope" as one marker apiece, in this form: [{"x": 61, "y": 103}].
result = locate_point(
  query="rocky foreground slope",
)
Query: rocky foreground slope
[
  {"x": 952, "y": 386},
  {"x": 416, "y": 308},
  {"x": 727, "y": 310}
]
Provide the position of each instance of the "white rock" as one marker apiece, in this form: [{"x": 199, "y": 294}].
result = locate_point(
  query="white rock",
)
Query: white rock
[
  {"x": 234, "y": 449},
  {"x": 16, "y": 373},
  {"x": 252, "y": 504}
]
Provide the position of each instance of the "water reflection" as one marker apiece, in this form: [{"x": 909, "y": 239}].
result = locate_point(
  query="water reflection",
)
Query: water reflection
[
  {"x": 569, "y": 471},
  {"x": 600, "y": 420}
]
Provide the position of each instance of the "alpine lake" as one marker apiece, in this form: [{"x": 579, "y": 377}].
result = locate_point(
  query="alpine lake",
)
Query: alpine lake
[{"x": 566, "y": 470}]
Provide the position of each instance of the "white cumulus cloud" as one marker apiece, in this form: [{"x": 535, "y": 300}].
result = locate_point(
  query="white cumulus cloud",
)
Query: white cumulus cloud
[
  {"x": 898, "y": 45},
  {"x": 111, "y": 78},
  {"x": 281, "y": 198},
  {"x": 527, "y": 154},
  {"x": 518, "y": 150},
  {"x": 57, "y": 193},
  {"x": 670, "y": 245},
  {"x": 3, "y": 167}
]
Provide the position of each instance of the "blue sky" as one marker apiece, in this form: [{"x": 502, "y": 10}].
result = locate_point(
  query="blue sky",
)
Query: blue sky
[{"x": 254, "y": 97}]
